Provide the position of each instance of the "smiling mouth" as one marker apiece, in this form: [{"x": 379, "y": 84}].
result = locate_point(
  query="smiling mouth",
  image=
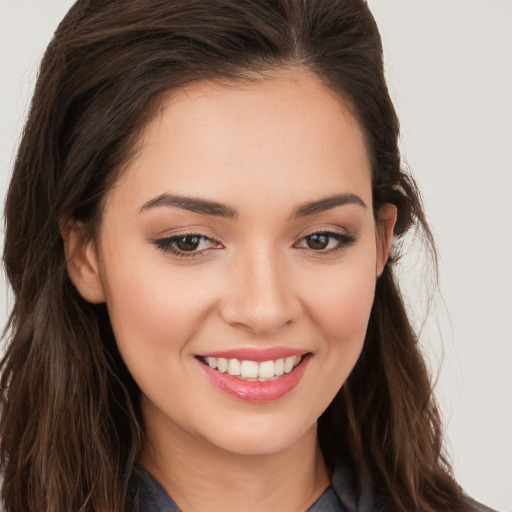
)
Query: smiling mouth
[{"x": 253, "y": 371}]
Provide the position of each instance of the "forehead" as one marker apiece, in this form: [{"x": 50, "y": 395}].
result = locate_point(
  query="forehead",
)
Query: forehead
[{"x": 286, "y": 131}]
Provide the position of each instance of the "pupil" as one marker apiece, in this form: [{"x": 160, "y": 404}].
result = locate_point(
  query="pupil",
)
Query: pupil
[
  {"x": 188, "y": 243},
  {"x": 318, "y": 241}
]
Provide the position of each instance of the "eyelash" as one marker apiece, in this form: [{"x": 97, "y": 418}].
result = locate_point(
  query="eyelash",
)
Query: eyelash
[
  {"x": 344, "y": 241},
  {"x": 168, "y": 244}
]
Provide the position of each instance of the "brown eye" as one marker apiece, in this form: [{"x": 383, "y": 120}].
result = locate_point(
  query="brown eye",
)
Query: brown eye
[
  {"x": 326, "y": 242},
  {"x": 318, "y": 241},
  {"x": 188, "y": 243},
  {"x": 187, "y": 246}
]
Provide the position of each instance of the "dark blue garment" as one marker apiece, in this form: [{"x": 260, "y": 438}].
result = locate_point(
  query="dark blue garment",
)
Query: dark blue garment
[
  {"x": 344, "y": 494},
  {"x": 338, "y": 497}
]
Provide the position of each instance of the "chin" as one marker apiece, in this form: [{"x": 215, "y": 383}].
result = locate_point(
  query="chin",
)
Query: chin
[{"x": 260, "y": 438}]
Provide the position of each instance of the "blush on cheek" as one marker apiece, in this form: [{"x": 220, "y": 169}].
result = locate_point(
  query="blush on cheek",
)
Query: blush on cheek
[
  {"x": 148, "y": 309},
  {"x": 344, "y": 308}
]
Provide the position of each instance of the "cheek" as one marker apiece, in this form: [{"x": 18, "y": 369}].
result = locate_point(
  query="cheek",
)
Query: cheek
[
  {"x": 346, "y": 314},
  {"x": 342, "y": 305},
  {"x": 341, "y": 312},
  {"x": 154, "y": 308}
]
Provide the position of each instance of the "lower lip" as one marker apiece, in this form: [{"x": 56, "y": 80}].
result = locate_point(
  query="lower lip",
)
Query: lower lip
[{"x": 255, "y": 391}]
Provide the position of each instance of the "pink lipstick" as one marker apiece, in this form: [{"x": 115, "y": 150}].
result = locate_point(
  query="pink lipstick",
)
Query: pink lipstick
[{"x": 255, "y": 375}]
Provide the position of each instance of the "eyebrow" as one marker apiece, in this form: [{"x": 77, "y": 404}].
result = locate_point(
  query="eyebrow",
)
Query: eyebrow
[
  {"x": 204, "y": 206},
  {"x": 193, "y": 204},
  {"x": 327, "y": 203}
]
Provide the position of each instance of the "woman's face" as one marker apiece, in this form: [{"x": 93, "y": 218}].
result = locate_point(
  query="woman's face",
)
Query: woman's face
[{"x": 241, "y": 238}]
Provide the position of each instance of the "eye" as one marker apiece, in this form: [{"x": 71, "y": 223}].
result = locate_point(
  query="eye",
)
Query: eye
[
  {"x": 187, "y": 245},
  {"x": 319, "y": 241},
  {"x": 326, "y": 241}
]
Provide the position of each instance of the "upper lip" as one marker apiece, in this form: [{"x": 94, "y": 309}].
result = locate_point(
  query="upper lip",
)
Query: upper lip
[{"x": 256, "y": 354}]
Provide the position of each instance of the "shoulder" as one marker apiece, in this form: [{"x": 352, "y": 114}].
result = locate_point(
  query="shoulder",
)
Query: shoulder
[{"x": 358, "y": 495}]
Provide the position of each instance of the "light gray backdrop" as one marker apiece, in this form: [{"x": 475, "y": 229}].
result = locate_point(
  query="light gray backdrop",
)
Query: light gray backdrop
[{"x": 449, "y": 66}]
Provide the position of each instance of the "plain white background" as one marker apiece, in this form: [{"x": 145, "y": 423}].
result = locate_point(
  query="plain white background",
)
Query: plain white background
[{"x": 449, "y": 67}]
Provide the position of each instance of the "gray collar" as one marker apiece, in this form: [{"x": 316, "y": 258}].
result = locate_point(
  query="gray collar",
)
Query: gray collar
[{"x": 345, "y": 494}]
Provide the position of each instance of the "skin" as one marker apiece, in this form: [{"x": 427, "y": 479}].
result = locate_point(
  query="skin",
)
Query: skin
[{"x": 262, "y": 149}]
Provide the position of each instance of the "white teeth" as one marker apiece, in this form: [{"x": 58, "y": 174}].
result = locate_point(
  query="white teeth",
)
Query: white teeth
[
  {"x": 246, "y": 369},
  {"x": 249, "y": 369},
  {"x": 288, "y": 364},
  {"x": 234, "y": 367},
  {"x": 279, "y": 367},
  {"x": 222, "y": 364},
  {"x": 266, "y": 369}
]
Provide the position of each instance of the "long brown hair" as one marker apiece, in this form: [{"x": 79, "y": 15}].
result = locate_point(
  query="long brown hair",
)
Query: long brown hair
[{"x": 70, "y": 425}]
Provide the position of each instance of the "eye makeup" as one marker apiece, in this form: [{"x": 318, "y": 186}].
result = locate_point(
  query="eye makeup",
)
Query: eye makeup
[
  {"x": 187, "y": 245},
  {"x": 326, "y": 241},
  {"x": 193, "y": 244}
]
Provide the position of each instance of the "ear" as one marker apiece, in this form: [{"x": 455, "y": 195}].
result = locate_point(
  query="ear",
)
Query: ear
[
  {"x": 386, "y": 220},
  {"x": 82, "y": 262}
]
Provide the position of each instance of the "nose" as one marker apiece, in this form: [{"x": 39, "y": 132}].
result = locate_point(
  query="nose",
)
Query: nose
[{"x": 260, "y": 296}]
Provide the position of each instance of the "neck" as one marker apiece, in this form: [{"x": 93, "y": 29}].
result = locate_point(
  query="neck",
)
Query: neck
[{"x": 200, "y": 476}]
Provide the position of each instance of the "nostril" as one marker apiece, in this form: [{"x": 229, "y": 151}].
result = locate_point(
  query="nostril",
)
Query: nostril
[
  {"x": 258, "y": 320},
  {"x": 259, "y": 294}
]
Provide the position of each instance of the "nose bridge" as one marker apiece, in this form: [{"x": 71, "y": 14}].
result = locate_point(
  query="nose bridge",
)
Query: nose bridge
[{"x": 261, "y": 296}]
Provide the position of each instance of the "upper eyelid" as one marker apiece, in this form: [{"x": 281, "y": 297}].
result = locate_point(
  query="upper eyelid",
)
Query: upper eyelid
[
  {"x": 208, "y": 233},
  {"x": 339, "y": 232},
  {"x": 168, "y": 245},
  {"x": 322, "y": 229},
  {"x": 189, "y": 231},
  {"x": 176, "y": 237}
]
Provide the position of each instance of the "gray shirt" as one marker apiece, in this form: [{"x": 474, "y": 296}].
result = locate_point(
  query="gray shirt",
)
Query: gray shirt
[{"x": 343, "y": 495}]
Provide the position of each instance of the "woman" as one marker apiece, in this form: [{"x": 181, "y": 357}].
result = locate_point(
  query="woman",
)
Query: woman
[{"x": 199, "y": 235}]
